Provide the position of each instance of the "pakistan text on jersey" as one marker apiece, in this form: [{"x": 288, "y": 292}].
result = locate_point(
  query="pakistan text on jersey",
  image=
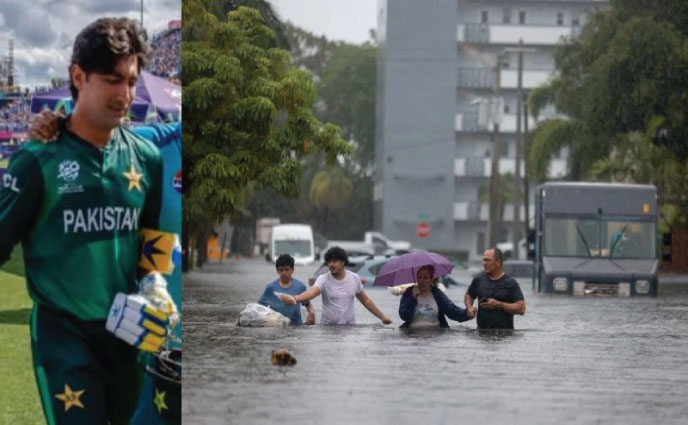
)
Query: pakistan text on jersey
[{"x": 100, "y": 219}]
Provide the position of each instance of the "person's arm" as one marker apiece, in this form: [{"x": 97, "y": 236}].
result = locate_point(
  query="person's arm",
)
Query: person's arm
[
  {"x": 313, "y": 292},
  {"x": 45, "y": 126},
  {"x": 407, "y": 305},
  {"x": 265, "y": 298},
  {"x": 468, "y": 300},
  {"x": 21, "y": 196},
  {"x": 159, "y": 134},
  {"x": 370, "y": 305},
  {"x": 450, "y": 309},
  {"x": 518, "y": 307},
  {"x": 152, "y": 207},
  {"x": 310, "y": 320}
]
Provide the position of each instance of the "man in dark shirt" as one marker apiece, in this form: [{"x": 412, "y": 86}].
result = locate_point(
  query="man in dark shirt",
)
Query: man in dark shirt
[{"x": 498, "y": 294}]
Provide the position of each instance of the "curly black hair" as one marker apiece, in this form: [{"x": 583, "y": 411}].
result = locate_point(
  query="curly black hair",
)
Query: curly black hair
[
  {"x": 284, "y": 260},
  {"x": 336, "y": 253}
]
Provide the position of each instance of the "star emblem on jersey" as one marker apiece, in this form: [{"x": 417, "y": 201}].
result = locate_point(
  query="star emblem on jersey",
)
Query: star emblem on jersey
[
  {"x": 70, "y": 398},
  {"x": 160, "y": 401},
  {"x": 134, "y": 178}
]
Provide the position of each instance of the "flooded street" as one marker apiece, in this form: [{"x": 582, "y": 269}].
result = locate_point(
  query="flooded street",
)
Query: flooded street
[{"x": 570, "y": 360}]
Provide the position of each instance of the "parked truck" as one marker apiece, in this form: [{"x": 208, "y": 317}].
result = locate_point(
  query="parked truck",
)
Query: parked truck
[
  {"x": 373, "y": 243},
  {"x": 596, "y": 239},
  {"x": 293, "y": 239}
]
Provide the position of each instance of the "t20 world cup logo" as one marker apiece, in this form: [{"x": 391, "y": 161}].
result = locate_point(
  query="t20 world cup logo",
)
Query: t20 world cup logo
[{"x": 68, "y": 171}]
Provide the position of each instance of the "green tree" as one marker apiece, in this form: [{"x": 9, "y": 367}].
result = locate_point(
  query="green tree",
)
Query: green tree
[
  {"x": 248, "y": 115},
  {"x": 626, "y": 71},
  {"x": 220, "y": 9},
  {"x": 330, "y": 192},
  {"x": 637, "y": 160},
  {"x": 346, "y": 77},
  {"x": 347, "y": 90}
]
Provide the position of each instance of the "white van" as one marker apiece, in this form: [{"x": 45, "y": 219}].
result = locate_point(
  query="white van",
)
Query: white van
[{"x": 293, "y": 239}]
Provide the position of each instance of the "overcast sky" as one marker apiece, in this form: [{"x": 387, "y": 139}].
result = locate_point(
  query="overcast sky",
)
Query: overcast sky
[
  {"x": 44, "y": 30},
  {"x": 348, "y": 20}
]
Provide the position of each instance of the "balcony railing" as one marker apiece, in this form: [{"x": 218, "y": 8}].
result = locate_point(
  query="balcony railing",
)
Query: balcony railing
[
  {"x": 475, "y": 78},
  {"x": 476, "y": 33},
  {"x": 482, "y": 167},
  {"x": 483, "y": 78},
  {"x": 544, "y": 35}
]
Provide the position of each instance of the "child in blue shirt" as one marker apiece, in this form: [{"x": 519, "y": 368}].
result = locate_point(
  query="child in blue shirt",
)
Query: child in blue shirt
[{"x": 286, "y": 285}]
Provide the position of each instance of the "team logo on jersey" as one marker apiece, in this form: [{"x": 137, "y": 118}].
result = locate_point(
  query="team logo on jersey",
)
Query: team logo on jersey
[
  {"x": 177, "y": 181},
  {"x": 157, "y": 250},
  {"x": 134, "y": 178},
  {"x": 70, "y": 398},
  {"x": 10, "y": 182},
  {"x": 68, "y": 171}
]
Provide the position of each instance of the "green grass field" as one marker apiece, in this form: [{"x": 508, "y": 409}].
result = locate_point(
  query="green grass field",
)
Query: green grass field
[
  {"x": 19, "y": 403},
  {"x": 15, "y": 265}
]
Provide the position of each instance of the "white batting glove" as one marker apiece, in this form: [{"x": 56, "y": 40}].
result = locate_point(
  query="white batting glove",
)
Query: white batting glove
[
  {"x": 135, "y": 320},
  {"x": 153, "y": 287}
]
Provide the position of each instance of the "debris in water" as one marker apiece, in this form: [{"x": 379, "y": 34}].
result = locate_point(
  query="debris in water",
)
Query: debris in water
[{"x": 282, "y": 357}]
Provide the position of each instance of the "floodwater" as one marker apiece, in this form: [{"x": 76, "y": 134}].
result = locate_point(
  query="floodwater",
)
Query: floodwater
[{"x": 570, "y": 360}]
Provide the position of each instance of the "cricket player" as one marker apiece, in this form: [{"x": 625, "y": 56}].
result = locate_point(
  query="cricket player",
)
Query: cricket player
[
  {"x": 77, "y": 206},
  {"x": 160, "y": 400}
]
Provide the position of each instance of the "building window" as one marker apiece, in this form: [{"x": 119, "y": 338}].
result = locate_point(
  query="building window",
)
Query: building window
[
  {"x": 560, "y": 18},
  {"x": 575, "y": 22},
  {"x": 506, "y": 108},
  {"x": 522, "y": 17},
  {"x": 483, "y": 16},
  {"x": 506, "y": 18},
  {"x": 504, "y": 149}
]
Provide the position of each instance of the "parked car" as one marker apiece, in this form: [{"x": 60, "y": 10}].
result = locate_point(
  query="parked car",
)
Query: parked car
[
  {"x": 449, "y": 280},
  {"x": 367, "y": 268},
  {"x": 518, "y": 268}
]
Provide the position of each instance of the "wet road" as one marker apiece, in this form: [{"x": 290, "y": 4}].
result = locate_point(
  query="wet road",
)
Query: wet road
[{"x": 571, "y": 360}]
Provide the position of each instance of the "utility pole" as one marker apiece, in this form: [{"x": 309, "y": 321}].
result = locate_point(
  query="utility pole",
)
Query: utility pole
[
  {"x": 495, "y": 209},
  {"x": 516, "y": 223},
  {"x": 526, "y": 183},
  {"x": 141, "y": 13}
]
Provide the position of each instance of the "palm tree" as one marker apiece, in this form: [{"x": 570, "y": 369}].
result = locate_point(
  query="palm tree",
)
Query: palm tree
[{"x": 330, "y": 191}]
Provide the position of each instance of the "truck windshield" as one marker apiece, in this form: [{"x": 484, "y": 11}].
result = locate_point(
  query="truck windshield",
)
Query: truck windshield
[
  {"x": 572, "y": 237},
  {"x": 297, "y": 248},
  {"x": 590, "y": 237},
  {"x": 624, "y": 239}
]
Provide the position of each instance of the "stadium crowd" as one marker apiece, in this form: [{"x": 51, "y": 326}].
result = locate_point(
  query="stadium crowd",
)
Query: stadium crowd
[
  {"x": 165, "y": 62},
  {"x": 15, "y": 115}
]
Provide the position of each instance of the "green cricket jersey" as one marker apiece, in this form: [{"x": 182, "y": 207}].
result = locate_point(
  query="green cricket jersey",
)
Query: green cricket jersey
[{"x": 77, "y": 210}]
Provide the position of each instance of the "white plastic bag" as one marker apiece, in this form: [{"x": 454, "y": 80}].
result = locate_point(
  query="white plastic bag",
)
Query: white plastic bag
[{"x": 258, "y": 315}]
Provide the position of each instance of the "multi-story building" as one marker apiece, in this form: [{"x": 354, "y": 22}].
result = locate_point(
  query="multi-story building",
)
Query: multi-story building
[{"x": 441, "y": 64}]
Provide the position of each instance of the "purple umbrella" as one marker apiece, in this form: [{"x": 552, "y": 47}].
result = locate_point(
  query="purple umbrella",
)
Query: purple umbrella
[{"x": 403, "y": 269}]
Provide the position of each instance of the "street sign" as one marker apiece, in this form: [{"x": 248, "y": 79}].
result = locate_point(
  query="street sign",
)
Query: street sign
[{"x": 423, "y": 230}]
